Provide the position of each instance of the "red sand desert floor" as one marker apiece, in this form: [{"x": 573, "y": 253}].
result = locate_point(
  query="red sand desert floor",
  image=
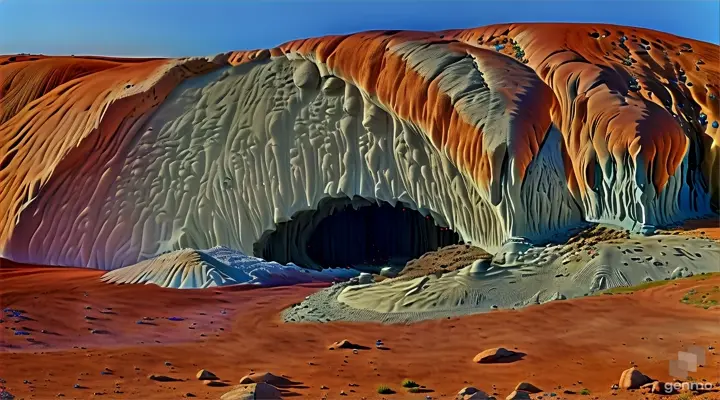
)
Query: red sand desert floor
[{"x": 577, "y": 344}]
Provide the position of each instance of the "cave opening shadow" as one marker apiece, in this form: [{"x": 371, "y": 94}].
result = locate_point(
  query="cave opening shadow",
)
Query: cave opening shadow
[{"x": 358, "y": 233}]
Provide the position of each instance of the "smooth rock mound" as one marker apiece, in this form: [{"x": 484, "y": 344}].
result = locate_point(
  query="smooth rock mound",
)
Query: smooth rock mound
[
  {"x": 495, "y": 355},
  {"x": 518, "y": 395},
  {"x": 471, "y": 393},
  {"x": 527, "y": 387},
  {"x": 162, "y": 378},
  {"x": 265, "y": 377},
  {"x": 632, "y": 378},
  {"x": 205, "y": 375},
  {"x": 346, "y": 344},
  {"x": 253, "y": 391}
]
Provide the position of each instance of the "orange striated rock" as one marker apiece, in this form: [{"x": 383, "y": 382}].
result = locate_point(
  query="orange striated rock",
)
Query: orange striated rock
[
  {"x": 533, "y": 127},
  {"x": 71, "y": 125},
  {"x": 603, "y": 119}
]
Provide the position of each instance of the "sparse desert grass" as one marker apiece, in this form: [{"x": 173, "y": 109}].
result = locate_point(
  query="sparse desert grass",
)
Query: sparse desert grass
[
  {"x": 631, "y": 289},
  {"x": 585, "y": 392},
  {"x": 702, "y": 297},
  {"x": 648, "y": 285},
  {"x": 409, "y": 383},
  {"x": 686, "y": 396},
  {"x": 384, "y": 389}
]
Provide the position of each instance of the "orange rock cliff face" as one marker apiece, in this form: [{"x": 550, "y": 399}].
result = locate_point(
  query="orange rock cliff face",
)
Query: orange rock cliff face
[{"x": 519, "y": 130}]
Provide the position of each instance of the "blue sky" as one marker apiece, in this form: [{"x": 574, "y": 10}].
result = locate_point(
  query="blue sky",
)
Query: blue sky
[{"x": 201, "y": 27}]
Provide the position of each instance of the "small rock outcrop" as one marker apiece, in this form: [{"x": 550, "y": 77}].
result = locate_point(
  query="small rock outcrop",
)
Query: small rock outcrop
[
  {"x": 344, "y": 344},
  {"x": 264, "y": 377},
  {"x": 518, "y": 395},
  {"x": 253, "y": 391},
  {"x": 471, "y": 393},
  {"x": 527, "y": 387},
  {"x": 364, "y": 278},
  {"x": 214, "y": 383},
  {"x": 657, "y": 387},
  {"x": 494, "y": 355},
  {"x": 162, "y": 378},
  {"x": 633, "y": 379},
  {"x": 205, "y": 375}
]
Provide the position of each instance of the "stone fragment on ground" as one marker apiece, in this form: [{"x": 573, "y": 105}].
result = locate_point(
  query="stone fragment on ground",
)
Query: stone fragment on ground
[
  {"x": 253, "y": 391},
  {"x": 494, "y": 355},
  {"x": 528, "y": 387},
  {"x": 518, "y": 395},
  {"x": 632, "y": 378},
  {"x": 215, "y": 383},
  {"x": 264, "y": 377},
  {"x": 471, "y": 393},
  {"x": 205, "y": 375},
  {"x": 345, "y": 344},
  {"x": 162, "y": 378}
]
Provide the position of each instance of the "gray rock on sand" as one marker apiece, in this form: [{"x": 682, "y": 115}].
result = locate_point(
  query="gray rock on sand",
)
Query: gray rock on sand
[
  {"x": 253, "y": 391},
  {"x": 364, "y": 278},
  {"x": 205, "y": 375},
  {"x": 680, "y": 272},
  {"x": 494, "y": 355},
  {"x": 632, "y": 378},
  {"x": 480, "y": 267},
  {"x": 518, "y": 395},
  {"x": 389, "y": 272},
  {"x": 471, "y": 393},
  {"x": 264, "y": 377},
  {"x": 557, "y": 296},
  {"x": 528, "y": 387}
]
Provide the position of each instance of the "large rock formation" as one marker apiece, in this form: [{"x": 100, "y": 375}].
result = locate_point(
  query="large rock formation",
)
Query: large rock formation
[{"x": 520, "y": 130}]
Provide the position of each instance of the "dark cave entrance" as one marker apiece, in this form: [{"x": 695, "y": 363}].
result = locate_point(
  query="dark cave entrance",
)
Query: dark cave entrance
[{"x": 345, "y": 233}]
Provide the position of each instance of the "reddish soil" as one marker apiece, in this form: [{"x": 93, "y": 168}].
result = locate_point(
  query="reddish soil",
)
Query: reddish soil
[
  {"x": 702, "y": 228},
  {"x": 576, "y": 344},
  {"x": 446, "y": 259}
]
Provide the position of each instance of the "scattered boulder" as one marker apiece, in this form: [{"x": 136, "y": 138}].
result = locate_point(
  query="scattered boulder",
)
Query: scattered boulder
[
  {"x": 214, "y": 383},
  {"x": 253, "y": 391},
  {"x": 364, "y": 278},
  {"x": 633, "y": 379},
  {"x": 205, "y": 375},
  {"x": 518, "y": 395},
  {"x": 679, "y": 272},
  {"x": 494, "y": 355},
  {"x": 656, "y": 387},
  {"x": 264, "y": 377},
  {"x": 527, "y": 387},
  {"x": 471, "y": 393},
  {"x": 162, "y": 378},
  {"x": 389, "y": 272},
  {"x": 345, "y": 344}
]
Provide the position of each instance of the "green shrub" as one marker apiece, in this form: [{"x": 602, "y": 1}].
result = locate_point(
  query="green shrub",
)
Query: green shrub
[
  {"x": 585, "y": 392},
  {"x": 409, "y": 383},
  {"x": 384, "y": 389}
]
